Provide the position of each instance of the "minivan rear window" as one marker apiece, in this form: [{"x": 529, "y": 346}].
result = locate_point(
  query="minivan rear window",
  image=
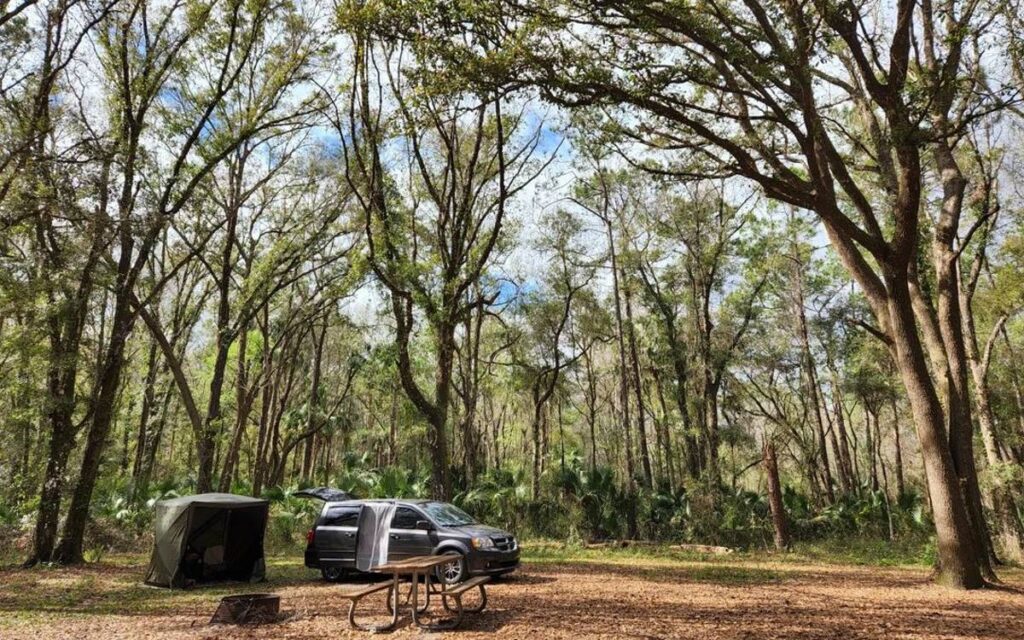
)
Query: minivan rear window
[{"x": 341, "y": 517}]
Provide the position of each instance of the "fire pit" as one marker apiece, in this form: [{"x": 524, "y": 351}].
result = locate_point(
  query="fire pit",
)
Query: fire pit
[{"x": 248, "y": 608}]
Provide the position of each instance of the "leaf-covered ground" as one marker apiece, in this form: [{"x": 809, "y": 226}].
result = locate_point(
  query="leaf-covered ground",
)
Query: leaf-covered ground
[{"x": 586, "y": 596}]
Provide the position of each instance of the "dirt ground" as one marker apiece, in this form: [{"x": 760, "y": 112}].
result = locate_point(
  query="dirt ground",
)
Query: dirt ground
[{"x": 619, "y": 598}]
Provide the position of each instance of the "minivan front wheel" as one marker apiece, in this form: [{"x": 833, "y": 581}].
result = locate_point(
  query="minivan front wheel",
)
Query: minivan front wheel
[{"x": 452, "y": 572}]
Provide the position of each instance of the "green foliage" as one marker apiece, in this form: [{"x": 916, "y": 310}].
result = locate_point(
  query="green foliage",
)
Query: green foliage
[
  {"x": 360, "y": 479},
  {"x": 498, "y": 498},
  {"x": 601, "y": 500},
  {"x": 577, "y": 505},
  {"x": 867, "y": 513},
  {"x": 93, "y": 555},
  {"x": 913, "y": 548},
  {"x": 590, "y": 505}
]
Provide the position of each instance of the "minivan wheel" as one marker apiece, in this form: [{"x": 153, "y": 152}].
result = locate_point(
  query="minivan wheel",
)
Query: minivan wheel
[
  {"x": 453, "y": 572},
  {"x": 332, "y": 573}
]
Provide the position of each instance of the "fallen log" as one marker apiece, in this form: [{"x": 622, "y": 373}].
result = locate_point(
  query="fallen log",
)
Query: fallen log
[
  {"x": 702, "y": 548},
  {"x": 623, "y": 544},
  {"x": 692, "y": 548}
]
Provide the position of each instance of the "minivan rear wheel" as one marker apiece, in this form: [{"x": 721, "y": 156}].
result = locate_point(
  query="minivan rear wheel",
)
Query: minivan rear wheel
[
  {"x": 452, "y": 572},
  {"x": 332, "y": 573}
]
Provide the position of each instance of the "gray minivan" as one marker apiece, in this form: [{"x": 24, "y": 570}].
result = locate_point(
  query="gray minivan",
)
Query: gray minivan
[{"x": 419, "y": 527}]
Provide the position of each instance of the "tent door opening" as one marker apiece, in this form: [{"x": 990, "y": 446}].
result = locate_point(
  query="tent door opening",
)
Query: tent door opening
[{"x": 219, "y": 545}]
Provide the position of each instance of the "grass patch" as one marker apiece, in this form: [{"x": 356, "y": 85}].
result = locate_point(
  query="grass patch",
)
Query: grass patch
[
  {"x": 913, "y": 551},
  {"x": 114, "y": 587},
  {"x": 660, "y": 563},
  {"x": 861, "y": 551}
]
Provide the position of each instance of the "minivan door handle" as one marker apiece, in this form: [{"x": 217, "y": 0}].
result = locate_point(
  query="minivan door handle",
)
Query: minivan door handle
[{"x": 394, "y": 536}]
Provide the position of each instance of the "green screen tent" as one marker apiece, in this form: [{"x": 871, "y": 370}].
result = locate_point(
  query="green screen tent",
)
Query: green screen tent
[{"x": 206, "y": 538}]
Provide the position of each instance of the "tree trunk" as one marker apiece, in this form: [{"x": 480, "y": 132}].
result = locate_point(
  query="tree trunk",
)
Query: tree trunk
[
  {"x": 61, "y": 376},
  {"x": 72, "y": 539},
  {"x": 65, "y": 319},
  {"x": 591, "y": 400},
  {"x": 263, "y": 437},
  {"x": 901, "y": 487},
  {"x": 315, "y": 417},
  {"x": 1004, "y": 506},
  {"x": 960, "y": 421},
  {"x": 871, "y": 442},
  {"x": 393, "y": 429},
  {"x": 811, "y": 375},
  {"x": 437, "y": 435},
  {"x": 153, "y": 443},
  {"x": 145, "y": 413},
  {"x": 623, "y": 368},
  {"x": 434, "y": 410},
  {"x": 206, "y": 440},
  {"x": 682, "y": 375},
  {"x": 645, "y": 455},
  {"x": 538, "y": 407},
  {"x": 775, "y": 505},
  {"x": 848, "y": 475},
  {"x": 833, "y": 438},
  {"x": 958, "y": 560},
  {"x": 243, "y": 405},
  {"x": 1018, "y": 393},
  {"x": 22, "y": 423},
  {"x": 470, "y": 436},
  {"x": 946, "y": 259},
  {"x": 670, "y": 462},
  {"x": 61, "y": 441},
  {"x": 711, "y": 431}
]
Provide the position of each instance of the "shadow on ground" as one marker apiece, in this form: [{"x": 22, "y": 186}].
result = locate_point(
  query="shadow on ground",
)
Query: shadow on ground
[{"x": 744, "y": 599}]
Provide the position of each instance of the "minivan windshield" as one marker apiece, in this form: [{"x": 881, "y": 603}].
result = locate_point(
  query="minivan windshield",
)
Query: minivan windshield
[{"x": 447, "y": 515}]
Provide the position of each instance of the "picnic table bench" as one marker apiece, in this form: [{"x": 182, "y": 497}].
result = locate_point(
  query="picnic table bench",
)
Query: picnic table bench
[{"x": 416, "y": 567}]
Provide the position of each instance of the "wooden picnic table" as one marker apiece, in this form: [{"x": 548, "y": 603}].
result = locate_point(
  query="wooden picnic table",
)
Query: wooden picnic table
[{"x": 415, "y": 567}]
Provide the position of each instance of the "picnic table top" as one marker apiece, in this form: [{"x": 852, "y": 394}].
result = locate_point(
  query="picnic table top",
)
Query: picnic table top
[{"x": 415, "y": 564}]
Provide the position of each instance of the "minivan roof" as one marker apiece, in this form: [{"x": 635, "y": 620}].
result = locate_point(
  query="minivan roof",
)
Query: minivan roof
[{"x": 360, "y": 501}]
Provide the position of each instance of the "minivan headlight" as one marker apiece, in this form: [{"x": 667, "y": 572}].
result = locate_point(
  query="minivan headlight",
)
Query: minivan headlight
[{"x": 483, "y": 543}]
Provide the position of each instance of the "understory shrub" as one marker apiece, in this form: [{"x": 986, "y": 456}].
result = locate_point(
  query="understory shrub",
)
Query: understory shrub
[{"x": 576, "y": 503}]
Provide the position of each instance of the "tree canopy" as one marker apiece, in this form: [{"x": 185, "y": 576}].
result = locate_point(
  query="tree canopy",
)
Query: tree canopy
[{"x": 739, "y": 271}]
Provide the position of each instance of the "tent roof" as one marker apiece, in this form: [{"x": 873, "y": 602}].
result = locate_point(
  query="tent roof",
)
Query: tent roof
[{"x": 226, "y": 500}]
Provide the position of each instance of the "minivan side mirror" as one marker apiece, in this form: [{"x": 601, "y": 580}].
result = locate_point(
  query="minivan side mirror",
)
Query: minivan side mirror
[{"x": 424, "y": 525}]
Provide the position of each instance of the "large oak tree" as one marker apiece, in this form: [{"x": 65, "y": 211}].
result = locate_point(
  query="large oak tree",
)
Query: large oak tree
[{"x": 852, "y": 111}]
